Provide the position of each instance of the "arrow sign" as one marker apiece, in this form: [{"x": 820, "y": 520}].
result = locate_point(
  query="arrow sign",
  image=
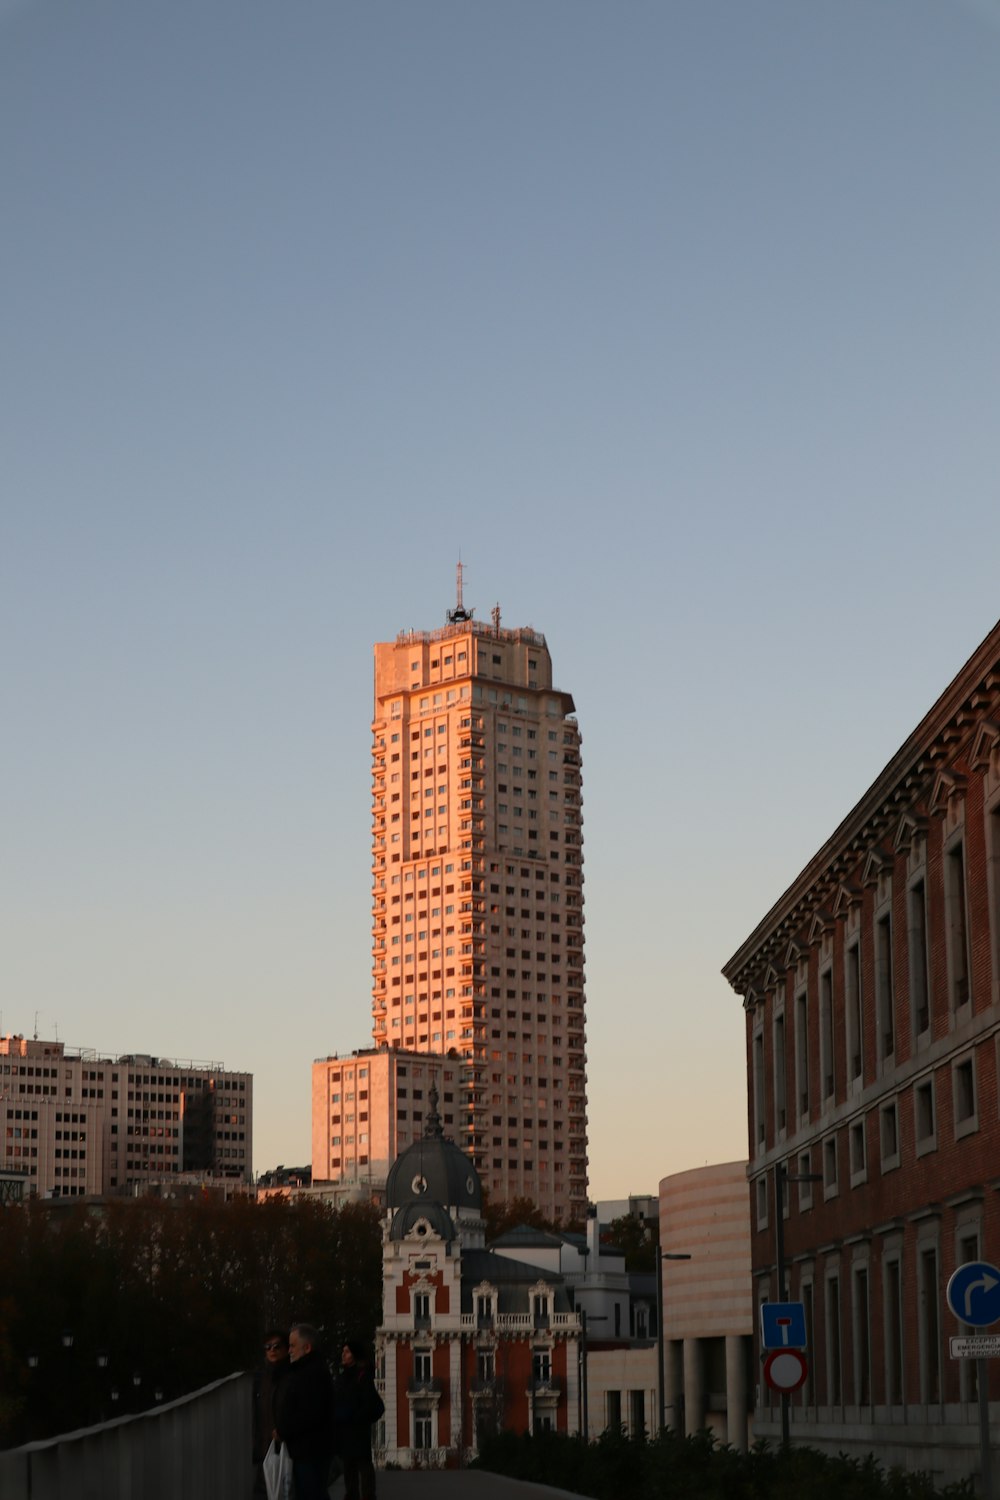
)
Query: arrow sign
[{"x": 973, "y": 1293}]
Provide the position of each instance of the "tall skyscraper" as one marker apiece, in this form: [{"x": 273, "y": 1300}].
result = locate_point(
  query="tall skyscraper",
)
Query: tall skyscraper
[{"x": 477, "y": 894}]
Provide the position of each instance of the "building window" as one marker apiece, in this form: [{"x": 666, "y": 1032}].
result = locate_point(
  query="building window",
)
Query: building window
[
  {"x": 917, "y": 934},
  {"x": 855, "y": 1030},
  {"x": 637, "y": 1413},
  {"x": 780, "y": 1104},
  {"x": 884, "y": 1003},
  {"x": 422, "y": 1366},
  {"x": 761, "y": 1202},
  {"x": 859, "y": 1157},
  {"x": 614, "y": 1410},
  {"x": 930, "y": 1328},
  {"x": 802, "y": 1054},
  {"x": 541, "y": 1366},
  {"x": 803, "y": 1168},
  {"x": 889, "y": 1135},
  {"x": 993, "y": 884},
  {"x": 423, "y": 1430},
  {"x": 925, "y": 1121},
  {"x": 895, "y": 1360},
  {"x": 421, "y": 1309},
  {"x": 826, "y": 1066},
  {"x": 963, "y": 1080},
  {"x": 861, "y": 1337},
  {"x": 758, "y": 1090},
  {"x": 834, "y": 1381},
  {"x": 808, "y": 1389},
  {"x": 968, "y": 1250},
  {"x": 957, "y": 927},
  {"x": 830, "y": 1166}
]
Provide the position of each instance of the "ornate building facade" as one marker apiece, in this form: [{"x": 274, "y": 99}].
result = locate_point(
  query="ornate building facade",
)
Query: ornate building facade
[{"x": 471, "y": 1340}]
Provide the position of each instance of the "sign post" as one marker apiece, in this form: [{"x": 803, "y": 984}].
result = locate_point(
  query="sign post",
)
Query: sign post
[{"x": 973, "y": 1294}]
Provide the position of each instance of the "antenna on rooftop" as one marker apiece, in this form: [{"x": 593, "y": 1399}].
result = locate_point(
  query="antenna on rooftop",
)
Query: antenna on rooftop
[
  {"x": 36, "y": 1026},
  {"x": 495, "y": 617},
  {"x": 459, "y": 613}
]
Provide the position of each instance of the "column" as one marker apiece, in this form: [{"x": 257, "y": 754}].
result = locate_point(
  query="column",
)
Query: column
[
  {"x": 736, "y": 1392},
  {"x": 694, "y": 1386}
]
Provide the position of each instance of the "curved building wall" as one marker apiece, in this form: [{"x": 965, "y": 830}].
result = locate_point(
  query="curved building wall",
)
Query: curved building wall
[{"x": 707, "y": 1300}]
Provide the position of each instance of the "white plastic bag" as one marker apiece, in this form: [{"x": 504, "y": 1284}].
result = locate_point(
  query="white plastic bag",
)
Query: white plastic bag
[{"x": 278, "y": 1472}]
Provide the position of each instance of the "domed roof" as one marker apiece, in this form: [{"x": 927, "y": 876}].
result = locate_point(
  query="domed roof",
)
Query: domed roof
[
  {"x": 425, "y": 1218},
  {"x": 433, "y": 1170}
]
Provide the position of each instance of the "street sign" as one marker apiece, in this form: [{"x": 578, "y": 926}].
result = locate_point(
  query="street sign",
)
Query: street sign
[
  {"x": 973, "y": 1293},
  {"x": 785, "y": 1369},
  {"x": 783, "y": 1325},
  {"x": 976, "y": 1346}
]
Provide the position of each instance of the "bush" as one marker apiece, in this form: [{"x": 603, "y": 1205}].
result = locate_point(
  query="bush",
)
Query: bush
[{"x": 699, "y": 1468}]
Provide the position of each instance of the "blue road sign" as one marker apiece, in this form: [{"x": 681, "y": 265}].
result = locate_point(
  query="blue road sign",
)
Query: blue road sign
[
  {"x": 783, "y": 1325},
  {"x": 974, "y": 1293}
]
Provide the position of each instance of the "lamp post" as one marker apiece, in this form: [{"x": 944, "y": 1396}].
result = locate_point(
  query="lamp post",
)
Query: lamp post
[
  {"x": 661, "y": 1256},
  {"x": 781, "y": 1176}
]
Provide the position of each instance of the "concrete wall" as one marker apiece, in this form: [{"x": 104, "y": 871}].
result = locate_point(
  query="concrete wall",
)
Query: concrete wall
[{"x": 197, "y": 1448}]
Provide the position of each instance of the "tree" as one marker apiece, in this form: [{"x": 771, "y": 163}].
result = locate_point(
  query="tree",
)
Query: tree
[
  {"x": 636, "y": 1239},
  {"x": 503, "y": 1216},
  {"x": 176, "y": 1291}
]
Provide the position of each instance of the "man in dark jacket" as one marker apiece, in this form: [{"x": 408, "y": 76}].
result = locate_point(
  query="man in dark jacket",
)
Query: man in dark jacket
[
  {"x": 265, "y": 1385},
  {"x": 356, "y": 1406},
  {"x": 302, "y": 1412}
]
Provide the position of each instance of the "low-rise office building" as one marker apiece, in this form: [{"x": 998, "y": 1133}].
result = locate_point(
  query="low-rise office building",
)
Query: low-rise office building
[{"x": 76, "y": 1123}]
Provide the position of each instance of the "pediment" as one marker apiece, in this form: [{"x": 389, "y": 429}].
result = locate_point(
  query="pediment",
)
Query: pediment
[
  {"x": 947, "y": 786},
  {"x": 752, "y": 998},
  {"x": 848, "y": 896},
  {"x": 986, "y": 743},
  {"x": 821, "y": 924},
  {"x": 910, "y": 826},
  {"x": 877, "y": 863},
  {"x": 774, "y": 979},
  {"x": 796, "y": 951}
]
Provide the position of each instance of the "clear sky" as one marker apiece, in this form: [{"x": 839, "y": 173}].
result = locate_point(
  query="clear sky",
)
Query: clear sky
[{"x": 681, "y": 320}]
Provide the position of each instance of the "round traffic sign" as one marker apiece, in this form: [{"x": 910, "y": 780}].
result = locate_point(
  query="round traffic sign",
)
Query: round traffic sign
[
  {"x": 785, "y": 1369},
  {"x": 973, "y": 1293}
]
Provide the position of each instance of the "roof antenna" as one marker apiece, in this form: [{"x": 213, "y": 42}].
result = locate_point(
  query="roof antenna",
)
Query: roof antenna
[
  {"x": 36, "y": 1026},
  {"x": 495, "y": 617},
  {"x": 459, "y": 613}
]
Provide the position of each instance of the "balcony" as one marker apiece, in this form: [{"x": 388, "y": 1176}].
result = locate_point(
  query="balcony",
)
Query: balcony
[
  {"x": 549, "y": 1386},
  {"x": 432, "y": 1386}
]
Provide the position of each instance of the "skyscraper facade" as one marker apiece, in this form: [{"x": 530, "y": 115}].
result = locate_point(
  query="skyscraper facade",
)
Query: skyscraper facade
[{"x": 477, "y": 894}]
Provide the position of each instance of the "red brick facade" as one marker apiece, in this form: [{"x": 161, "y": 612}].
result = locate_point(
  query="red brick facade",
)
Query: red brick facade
[{"x": 872, "y": 999}]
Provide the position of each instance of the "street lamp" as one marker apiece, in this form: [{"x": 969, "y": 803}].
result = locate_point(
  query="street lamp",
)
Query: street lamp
[
  {"x": 661, "y": 1256},
  {"x": 781, "y": 1176}
]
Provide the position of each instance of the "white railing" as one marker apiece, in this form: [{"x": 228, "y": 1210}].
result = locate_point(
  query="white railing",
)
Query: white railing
[
  {"x": 197, "y": 1448},
  {"x": 565, "y": 1321}
]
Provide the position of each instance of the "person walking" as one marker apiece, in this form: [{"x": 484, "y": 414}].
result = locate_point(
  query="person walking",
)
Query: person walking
[
  {"x": 265, "y": 1386},
  {"x": 357, "y": 1405},
  {"x": 303, "y": 1407}
]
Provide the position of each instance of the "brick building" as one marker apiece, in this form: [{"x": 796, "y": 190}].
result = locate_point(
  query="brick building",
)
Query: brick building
[{"x": 872, "y": 1000}]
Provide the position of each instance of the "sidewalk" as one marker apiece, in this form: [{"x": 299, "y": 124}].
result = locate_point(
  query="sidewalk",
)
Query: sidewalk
[{"x": 453, "y": 1484}]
